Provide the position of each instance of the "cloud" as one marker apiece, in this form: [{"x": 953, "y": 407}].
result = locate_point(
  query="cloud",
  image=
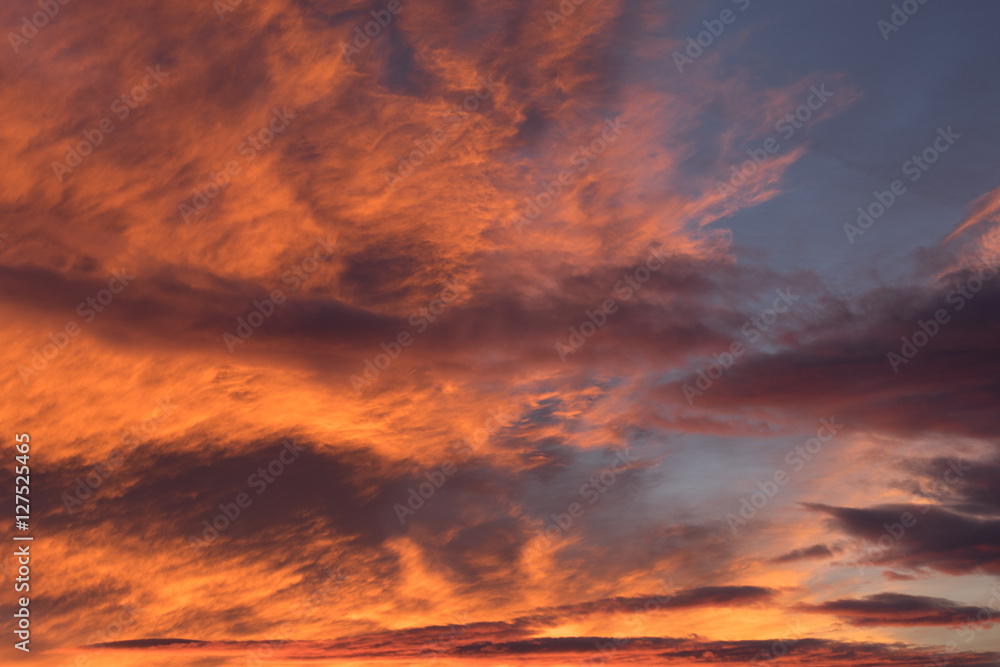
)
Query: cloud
[
  {"x": 814, "y": 552},
  {"x": 638, "y": 650},
  {"x": 399, "y": 156},
  {"x": 838, "y": 364},
  {"x": 902, "y": 609},
  {"x": 921, "y": 536}
]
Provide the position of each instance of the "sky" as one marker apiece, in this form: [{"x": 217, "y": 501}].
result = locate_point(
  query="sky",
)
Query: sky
[{"x": 495, "y": 333}]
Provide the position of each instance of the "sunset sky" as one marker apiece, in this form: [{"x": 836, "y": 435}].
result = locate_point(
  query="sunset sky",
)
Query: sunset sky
[{"x": 497, "y": 332}]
